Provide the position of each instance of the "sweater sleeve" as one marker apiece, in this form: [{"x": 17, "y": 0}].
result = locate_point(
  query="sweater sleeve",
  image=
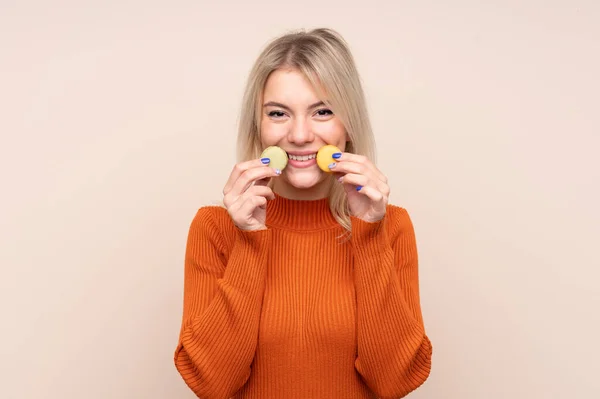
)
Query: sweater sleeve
[
  {"x": 221, "y": 307},
  {"x": 394, "y": 353}
]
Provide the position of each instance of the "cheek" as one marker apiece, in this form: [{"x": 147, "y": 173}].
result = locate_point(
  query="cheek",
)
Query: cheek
[
  {"x": 331, "y": 131},
  {"x": 271, "y": 133}
]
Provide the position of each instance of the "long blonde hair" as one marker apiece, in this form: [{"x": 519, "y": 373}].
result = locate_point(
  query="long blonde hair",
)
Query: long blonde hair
[{"x": 323, "y": 56}]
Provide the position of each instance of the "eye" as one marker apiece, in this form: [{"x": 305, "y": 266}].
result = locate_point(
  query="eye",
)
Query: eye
[
  {"x": 276, "y": 114},
  {"x": 324, "y": 112}
]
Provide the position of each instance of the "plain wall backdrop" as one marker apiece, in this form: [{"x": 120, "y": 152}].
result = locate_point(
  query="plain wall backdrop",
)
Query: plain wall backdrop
[{"x": 118, "y": 121}]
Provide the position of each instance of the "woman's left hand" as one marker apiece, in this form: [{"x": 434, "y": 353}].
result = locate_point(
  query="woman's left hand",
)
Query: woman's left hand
[{"x": 365, "y": 185}]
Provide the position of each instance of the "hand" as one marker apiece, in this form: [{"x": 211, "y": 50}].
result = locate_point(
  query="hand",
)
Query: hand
[
  {"x": 366, "y": 187},
  {"x": 246, "y": 193}
]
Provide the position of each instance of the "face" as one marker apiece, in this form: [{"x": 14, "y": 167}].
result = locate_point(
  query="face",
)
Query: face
[{"x": 297, "y": 120}]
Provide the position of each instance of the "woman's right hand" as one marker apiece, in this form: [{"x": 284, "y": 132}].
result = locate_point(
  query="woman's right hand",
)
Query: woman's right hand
[{"x": 246, "y": 194}]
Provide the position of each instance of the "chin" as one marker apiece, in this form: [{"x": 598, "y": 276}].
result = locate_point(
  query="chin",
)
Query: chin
[{"x": 305, "y": 179}]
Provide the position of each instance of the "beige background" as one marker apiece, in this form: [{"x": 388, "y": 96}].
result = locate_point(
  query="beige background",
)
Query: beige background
[{"x": 118, "y": 121}]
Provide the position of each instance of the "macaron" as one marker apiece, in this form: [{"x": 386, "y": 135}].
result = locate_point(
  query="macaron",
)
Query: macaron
[
  {"x": 324, "y": 157},
  {"x": 277, "y": 155}
]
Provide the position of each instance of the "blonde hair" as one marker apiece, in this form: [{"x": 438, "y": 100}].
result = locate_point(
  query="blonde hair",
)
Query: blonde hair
[{"x": 323, "y": 56}]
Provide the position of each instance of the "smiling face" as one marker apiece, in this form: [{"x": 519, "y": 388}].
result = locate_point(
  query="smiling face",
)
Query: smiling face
[{"x": 297, "y": 120}]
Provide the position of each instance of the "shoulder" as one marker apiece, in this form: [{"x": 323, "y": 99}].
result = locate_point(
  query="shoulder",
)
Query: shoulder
[
  {"x": 211, "y": 215},
  {"x": 213, "y": 222},
  {"x": 397, "y": 214},
  {"x": 398, "y": 221}
]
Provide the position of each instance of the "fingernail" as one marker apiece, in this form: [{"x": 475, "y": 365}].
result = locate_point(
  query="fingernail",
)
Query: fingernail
[
  {"x": 340, "y": 178},
  {"x": 277, "y": 171},
  {"x": 358, "y": 188},
  {"x": 332, "y": 165},
  {"x": 265, "y": 160},
  {"x": 336, "y": 155}
]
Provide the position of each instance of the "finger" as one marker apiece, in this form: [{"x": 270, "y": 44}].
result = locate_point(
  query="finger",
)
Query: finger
[
  {"x": 248, "y": 188},
  {"x": 248, "y": 206},
  {"x": 262, "y": 182},
  {"x": 345, "y": 167},
  {"x": 384, "y": 188},
  {"x": 258, "y": 190},
  {"x": 362, "y": 160},
  {"x": 237, "y": 171},
  {"x": 236, "y": 203},
  {"x": 378, "y": 199},
  {"x": 354, "y": 179},
  {"x": 261, "y": 189},
  {"x": 364, "y": 186},
  {"x": 250, "y": 176}
]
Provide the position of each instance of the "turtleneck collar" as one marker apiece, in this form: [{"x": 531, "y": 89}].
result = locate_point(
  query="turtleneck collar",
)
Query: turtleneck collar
[{"x": 300, "y": 214}]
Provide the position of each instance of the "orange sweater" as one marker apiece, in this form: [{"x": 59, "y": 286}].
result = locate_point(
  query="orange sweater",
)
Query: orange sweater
[{"x": 294, "y": 312}]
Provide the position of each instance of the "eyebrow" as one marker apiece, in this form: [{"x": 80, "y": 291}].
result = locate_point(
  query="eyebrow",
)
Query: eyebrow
[{"x": 280, "y": 105}]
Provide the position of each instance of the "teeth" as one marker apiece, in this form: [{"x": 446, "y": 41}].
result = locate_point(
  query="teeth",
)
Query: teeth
[{"x": 303, "y": 157}]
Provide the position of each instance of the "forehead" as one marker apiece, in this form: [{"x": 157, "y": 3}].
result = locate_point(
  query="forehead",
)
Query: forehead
[{"x": 290, "y": 86}]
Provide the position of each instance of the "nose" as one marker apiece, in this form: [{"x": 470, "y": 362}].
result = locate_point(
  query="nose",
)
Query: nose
[{"x": 300, "y": 132}]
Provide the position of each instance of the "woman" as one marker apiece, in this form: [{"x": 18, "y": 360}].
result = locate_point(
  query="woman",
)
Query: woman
[{"x": 305, "y": 284}]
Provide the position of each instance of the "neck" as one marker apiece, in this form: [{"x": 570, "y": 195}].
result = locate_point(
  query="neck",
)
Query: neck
[
  {"x": 300, "y": 214},
  {"x": 318, "y": 191}
]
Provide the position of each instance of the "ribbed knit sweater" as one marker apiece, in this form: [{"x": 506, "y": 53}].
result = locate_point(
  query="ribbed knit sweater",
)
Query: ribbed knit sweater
[{"x": 295, "y": 311}]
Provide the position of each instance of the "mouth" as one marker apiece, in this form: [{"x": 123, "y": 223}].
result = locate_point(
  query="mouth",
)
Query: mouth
[{"x": 302, "y": 158}]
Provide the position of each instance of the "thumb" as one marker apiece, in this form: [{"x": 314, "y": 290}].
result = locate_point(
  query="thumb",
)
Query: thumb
[{"x": 348, "y": 188}]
